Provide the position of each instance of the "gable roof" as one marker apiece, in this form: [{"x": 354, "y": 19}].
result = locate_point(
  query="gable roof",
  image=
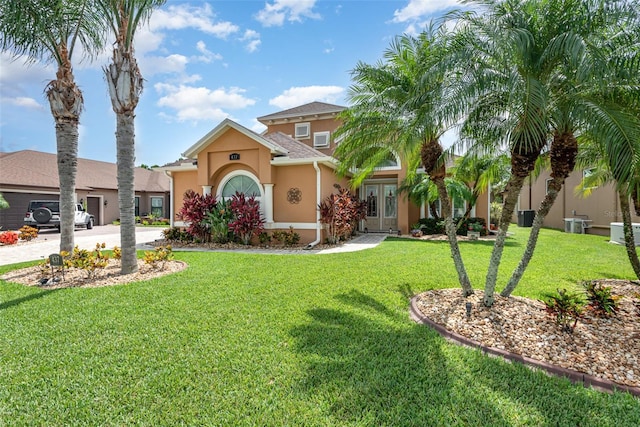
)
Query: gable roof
[
  {"x": 28, "y": 168},
  {"x": 304, "y": 111},
  {"x": 226, "y": 124}
]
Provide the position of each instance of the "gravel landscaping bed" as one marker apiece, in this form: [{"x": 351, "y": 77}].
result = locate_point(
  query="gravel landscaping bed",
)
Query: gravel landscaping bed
[{"x": 604, "y": 347}]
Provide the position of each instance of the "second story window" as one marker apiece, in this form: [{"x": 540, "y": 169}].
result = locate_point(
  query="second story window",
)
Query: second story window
[
  {"x": 303, "y": 130},
  {"x": 321, "y": 139}
]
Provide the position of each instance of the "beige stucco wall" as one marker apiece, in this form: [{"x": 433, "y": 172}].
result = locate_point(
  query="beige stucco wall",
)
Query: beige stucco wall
[
  {"x": 302, "y": 177},
  {"x": 602, "y": 206},
  {"x": 183, "y": 181}
]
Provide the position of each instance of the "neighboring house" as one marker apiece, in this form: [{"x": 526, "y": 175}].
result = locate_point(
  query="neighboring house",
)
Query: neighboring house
[
  {"x": 33, "y": 175},
  {"x": 290, "y": 169},
  {"x": 596, "y": 212}
]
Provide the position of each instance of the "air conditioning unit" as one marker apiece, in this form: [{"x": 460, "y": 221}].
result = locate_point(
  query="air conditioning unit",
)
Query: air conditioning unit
[
  {"x": 573, "y": 225},
  {"x": 617, "y": 233}
]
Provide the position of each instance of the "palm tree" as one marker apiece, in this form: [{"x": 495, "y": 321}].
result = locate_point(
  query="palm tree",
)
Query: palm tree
[
  {"x": 599, "y": 46},
  {"x": 516, "y": 62},
  {"x": 477, "y": 172},
  {"x": 50, "y": 32},
  {"x": 125, "y": 83},
  {"x": 395, "y": 110}
]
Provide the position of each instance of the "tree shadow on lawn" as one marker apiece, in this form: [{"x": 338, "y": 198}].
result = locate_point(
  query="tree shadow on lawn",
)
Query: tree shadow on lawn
[
  {"x": 14, "y": 302},
  {"x": 368, "y": 365}
]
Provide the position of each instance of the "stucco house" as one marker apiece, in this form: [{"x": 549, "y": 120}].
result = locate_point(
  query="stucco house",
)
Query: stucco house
[
  {"x": 290, "y": 168},
  {"x": 572, "y": 212},
  {"x": 33, "y": 175}
]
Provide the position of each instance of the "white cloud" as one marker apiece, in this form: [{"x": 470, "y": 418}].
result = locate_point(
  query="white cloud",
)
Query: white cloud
[
  {"x": 200, "y": 103},
  {"x": 253, "y": 40},
  {"x": 274, "y": 14},
  {"x": 418, "y": 9},
  {"x": 207, "y": 56},
  {"x": 24, "y": 102},
  {"x": 301, "y": 95},
  {"x": 186, "y": 16}
]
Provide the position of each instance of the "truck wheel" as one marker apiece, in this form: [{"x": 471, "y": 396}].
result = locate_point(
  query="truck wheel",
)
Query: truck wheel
[{"x": 90, "y": 224}]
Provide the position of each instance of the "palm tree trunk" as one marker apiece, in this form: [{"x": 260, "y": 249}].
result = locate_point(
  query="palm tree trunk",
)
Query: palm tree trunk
[
  {"x": 67, "y": 143},
  {"x": 629, "y": 241},
  {"x": 554, "y": 188},
  {"x": 431, "y": 156},
  {"x": 450, "y": 229},
  {"x": 512, "y": 190},
  {"x": 564, "y": 149},
  {"x": 66, "y": 103},
  {"x": 126, "y": 191}
]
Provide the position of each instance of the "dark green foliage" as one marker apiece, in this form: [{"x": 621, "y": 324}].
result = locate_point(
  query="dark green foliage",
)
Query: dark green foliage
[
  {"x": 217, "y": 221},
  {"x": 287, "y": 238},
  {"x": 566, "y": 306},
  {"x": 432, "y": 226},
  {"x": 176, "y": 234},
  {"x": 264, "y": 238},
  {"x": 600, "y": 299}
]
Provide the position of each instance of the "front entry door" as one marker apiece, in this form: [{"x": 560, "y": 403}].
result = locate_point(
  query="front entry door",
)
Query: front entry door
[{"x": 382, "y": 207}]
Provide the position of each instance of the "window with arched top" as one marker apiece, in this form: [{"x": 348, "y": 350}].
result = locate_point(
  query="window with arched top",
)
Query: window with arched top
[{"x": 242, "y": 184}]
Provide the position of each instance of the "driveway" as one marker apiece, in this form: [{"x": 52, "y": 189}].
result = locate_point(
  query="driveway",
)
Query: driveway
[{"x": 48, "y": 242}]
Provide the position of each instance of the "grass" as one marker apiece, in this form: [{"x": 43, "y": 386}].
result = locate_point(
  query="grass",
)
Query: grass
[{"x": 256, "y": 340}]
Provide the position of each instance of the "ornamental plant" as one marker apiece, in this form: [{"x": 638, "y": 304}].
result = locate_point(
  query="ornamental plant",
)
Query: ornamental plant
[
  {"x": 8, "y": 238},
  {"x": 217, "y": 221},
  {"x": 89, "y": 261},
  {"x": 158, "y": 257},
  {"x": 247, "y": 220},
  {"x": 287, "y": 238},
  {"x": 566, "y": 306},
  {"x": 340, "y": 213},
  {"x": 600, "y": 299},
  {"x": 195, "y": 208},
  {"x": 27, "y": 233}
]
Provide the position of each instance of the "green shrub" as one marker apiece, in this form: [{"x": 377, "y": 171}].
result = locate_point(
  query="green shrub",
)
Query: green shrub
[
  {"x": 600, "y": 299},
  {"x": 176, "y": 234},
  {"x": 566, "y": 306},
  {"x": 217, "y": 221},
  {"x": 432, "y": 226},
  {"x": 264, "y": 238},
  {"x": 287, "y": 238}
]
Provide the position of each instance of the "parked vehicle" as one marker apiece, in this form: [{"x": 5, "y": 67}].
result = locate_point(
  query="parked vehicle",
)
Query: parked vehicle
[{"x": 46, "y": 214}]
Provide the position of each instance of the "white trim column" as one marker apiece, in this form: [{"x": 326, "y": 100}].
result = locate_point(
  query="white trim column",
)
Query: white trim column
[
  {"x": 206, "y": 190},
  {"x": 268, "y": 203}
]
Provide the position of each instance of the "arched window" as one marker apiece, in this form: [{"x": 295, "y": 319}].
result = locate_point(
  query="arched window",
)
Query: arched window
[{"x": 241, "y": 184}]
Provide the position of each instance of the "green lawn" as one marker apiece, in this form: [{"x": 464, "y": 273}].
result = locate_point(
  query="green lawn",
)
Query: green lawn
[{"x": 295, "y": 340}]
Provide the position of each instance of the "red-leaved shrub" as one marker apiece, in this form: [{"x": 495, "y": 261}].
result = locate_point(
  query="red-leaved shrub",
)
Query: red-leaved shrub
[
  {"x": 247, "y": 220},
  {"x": 194, "y": 210},
  {"x": 341, "y": 213}
]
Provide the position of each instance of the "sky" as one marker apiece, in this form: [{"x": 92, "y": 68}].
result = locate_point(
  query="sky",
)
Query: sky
[{"x": 204, "y": 61}]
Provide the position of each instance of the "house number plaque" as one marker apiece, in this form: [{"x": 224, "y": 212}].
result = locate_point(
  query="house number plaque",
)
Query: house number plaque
[{"x": 234, "y": 156}]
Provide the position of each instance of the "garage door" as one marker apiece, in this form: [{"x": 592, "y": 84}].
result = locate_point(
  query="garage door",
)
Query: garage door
[{"x": 11, "y": 219}]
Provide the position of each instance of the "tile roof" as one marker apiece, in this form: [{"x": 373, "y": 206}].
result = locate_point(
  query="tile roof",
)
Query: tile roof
[
  {"x": 304, "y": 110},
  {"x": 29, "y": 168},
  {"x": 295, "y": 149}
]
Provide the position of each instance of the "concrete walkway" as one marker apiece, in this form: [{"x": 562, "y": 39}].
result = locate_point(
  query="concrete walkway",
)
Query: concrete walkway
[{"x": 49, "y": 243}]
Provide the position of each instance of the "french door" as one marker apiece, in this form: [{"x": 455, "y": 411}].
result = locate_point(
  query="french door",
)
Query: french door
[{"x": 382, "y": 206}]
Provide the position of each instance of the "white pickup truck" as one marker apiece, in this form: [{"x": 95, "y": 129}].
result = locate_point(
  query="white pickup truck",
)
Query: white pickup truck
[{"x": 46, "y": 214}]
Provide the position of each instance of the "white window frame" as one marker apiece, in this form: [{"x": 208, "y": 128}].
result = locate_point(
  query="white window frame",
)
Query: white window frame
[
  {"x": 317, "y": 134},
  {"x": 248, "y": 174},
  {"x": 303, "y": 130},
  {"x": 151, "y": 199}
]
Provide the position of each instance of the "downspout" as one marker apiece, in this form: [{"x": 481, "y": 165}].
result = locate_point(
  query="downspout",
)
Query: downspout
[
  {"x": 318, "y": 200},
  {"x": 171, "y": 210}
]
